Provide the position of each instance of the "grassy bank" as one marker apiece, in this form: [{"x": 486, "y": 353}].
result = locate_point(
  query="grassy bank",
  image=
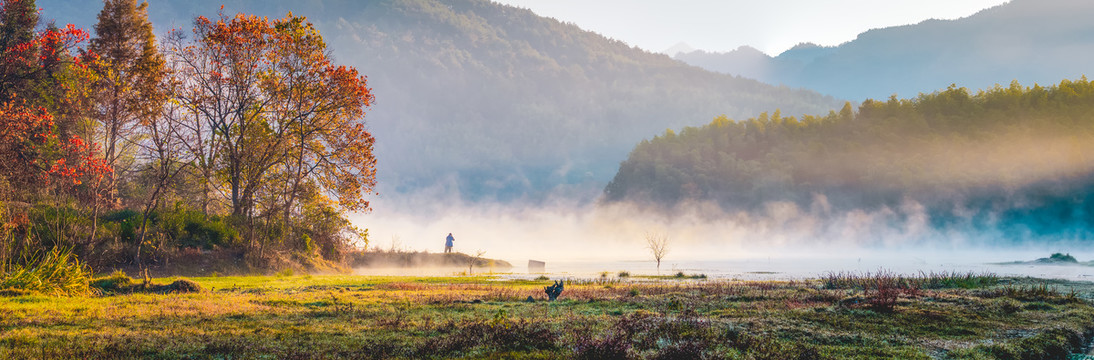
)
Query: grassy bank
[
  {"x": 424, "y": 259},
  {"x": 483, "y": 317}
]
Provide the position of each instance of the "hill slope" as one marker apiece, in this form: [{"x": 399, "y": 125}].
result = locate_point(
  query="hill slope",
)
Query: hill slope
[
  {"x": 1032, "y": 41},
  {"x": 495, "y": 102},
  {"x": 1010, "y": 158}
]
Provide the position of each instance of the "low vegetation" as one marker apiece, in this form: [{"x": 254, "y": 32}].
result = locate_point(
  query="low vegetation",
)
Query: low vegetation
[
  {"x": 56, "y": 272},
  {"x": 931, "y": 280},
  {"x": 120, "y": 283},
  {"x": 842, "y": 316}
]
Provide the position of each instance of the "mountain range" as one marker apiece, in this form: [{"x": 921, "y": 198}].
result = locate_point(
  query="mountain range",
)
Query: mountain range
[
  {"x": 480, "y": 101},
  {"x": 1031, "y": 41}
]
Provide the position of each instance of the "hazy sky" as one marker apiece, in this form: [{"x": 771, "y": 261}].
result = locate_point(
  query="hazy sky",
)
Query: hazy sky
[{"x": 722, "y": 25}]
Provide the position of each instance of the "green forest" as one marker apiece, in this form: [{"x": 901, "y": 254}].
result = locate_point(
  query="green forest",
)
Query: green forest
[
  {"x": 1014, "y": 158},
  {"x": 203, "y": 147}
]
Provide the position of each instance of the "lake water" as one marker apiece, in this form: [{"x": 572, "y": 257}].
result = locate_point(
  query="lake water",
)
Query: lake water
[
  {"x": 793, "y": 268},
  {"x": 798, "y": 269}
]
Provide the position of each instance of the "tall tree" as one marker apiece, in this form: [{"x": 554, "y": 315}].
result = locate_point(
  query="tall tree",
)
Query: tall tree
[
  {"x": 130, "y": 69},
  {"x": 267, "y": 100},
  {"x": 39, "y": 87},
  {"x": 18, "y": 18}
]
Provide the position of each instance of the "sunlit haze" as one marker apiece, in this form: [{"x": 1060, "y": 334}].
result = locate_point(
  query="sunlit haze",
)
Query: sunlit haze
[
  {"x": 719, "y": 26},
  {"x": 550, "y": 179}
]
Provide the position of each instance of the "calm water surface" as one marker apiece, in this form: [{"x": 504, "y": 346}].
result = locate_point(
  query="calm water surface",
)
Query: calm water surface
[{"x": 788, "y": 268}]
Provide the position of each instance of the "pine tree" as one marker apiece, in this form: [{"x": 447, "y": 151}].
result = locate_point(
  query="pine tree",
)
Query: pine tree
[{"x": 17, "y": 21}]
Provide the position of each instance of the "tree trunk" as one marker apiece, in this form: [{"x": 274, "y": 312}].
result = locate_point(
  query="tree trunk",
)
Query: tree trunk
[
  {"x": 140, "y": 241},
  {"x": 237, "y": 203},
  {"x": 290, "y": 231},
  {"x": 205, "y": 194},
  {"x": 144, "y": 222}
]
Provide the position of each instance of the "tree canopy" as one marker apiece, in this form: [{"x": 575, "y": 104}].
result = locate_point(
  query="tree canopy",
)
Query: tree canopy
[{"x": 132, "y": 151}]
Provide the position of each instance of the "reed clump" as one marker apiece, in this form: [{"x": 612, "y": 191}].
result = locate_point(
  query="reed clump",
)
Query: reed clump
[
  {"x": 924, "y": 280},
  {"x": 56, "y": 272}
]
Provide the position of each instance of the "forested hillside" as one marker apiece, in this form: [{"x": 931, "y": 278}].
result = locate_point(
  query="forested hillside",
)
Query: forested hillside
[
  {"x": 495, "y": 102},
  {"x": 1015, "y": 157},
  {"x": 1032, "y": 41}
]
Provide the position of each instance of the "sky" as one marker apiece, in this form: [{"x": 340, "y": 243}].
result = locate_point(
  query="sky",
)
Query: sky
[{"x": 772, "y": 26}]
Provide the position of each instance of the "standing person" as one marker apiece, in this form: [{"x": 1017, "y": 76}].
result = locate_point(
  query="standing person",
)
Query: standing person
[{"x": 448, "y": 243}]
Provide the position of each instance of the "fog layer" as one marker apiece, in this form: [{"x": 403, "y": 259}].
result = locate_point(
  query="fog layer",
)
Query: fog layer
[{"x": 697, "y": 231}]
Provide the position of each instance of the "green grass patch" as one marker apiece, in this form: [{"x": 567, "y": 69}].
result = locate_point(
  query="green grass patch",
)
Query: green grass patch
[{"x": 352, "y": 317}]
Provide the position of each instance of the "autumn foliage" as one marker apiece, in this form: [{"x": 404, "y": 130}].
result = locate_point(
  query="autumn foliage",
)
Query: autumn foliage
[
  {"x": 221, "y": 139},
  {"x": 24, "y": 133},
  {"x": 272, "y": 101},
  {"x": 33, "y": 155},
  {"x": 271, "y": 122}
]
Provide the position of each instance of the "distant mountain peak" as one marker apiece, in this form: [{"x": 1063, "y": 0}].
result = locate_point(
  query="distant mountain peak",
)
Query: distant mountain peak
[
  {"x": 805, "y": 45},
  {"x": 1032, "y": 41},
  {"x": 680, "y": 47},
  {"x": 748, "y": 50}
]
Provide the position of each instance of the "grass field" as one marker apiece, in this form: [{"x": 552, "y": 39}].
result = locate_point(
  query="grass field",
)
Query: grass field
[{"x": 286, "y": 317}]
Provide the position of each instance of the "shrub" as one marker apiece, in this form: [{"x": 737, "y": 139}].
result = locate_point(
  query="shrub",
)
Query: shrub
[
  {"x": 116, "y": 282},
  {"x": 55, "y": 225},
  {"x": 122, "y": 224},
  {"x": 192, "y": 229},
  {"x": 181, "y": 286},
  {"x": 120, "y": 283},
  {"x": 884, "y": 295}
]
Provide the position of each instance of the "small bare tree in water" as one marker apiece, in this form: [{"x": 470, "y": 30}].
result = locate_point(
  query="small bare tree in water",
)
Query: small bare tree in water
[
  {"x": 658, "y": 244},
  {"x": 472, "y": 259}
]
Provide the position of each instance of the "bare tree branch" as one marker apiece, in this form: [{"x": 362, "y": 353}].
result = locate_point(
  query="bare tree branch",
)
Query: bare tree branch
[{"x": 658, "y": 244}]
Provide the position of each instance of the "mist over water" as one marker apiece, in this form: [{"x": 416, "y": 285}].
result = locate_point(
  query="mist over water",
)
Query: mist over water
[{"x": 783, "y": 241}]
